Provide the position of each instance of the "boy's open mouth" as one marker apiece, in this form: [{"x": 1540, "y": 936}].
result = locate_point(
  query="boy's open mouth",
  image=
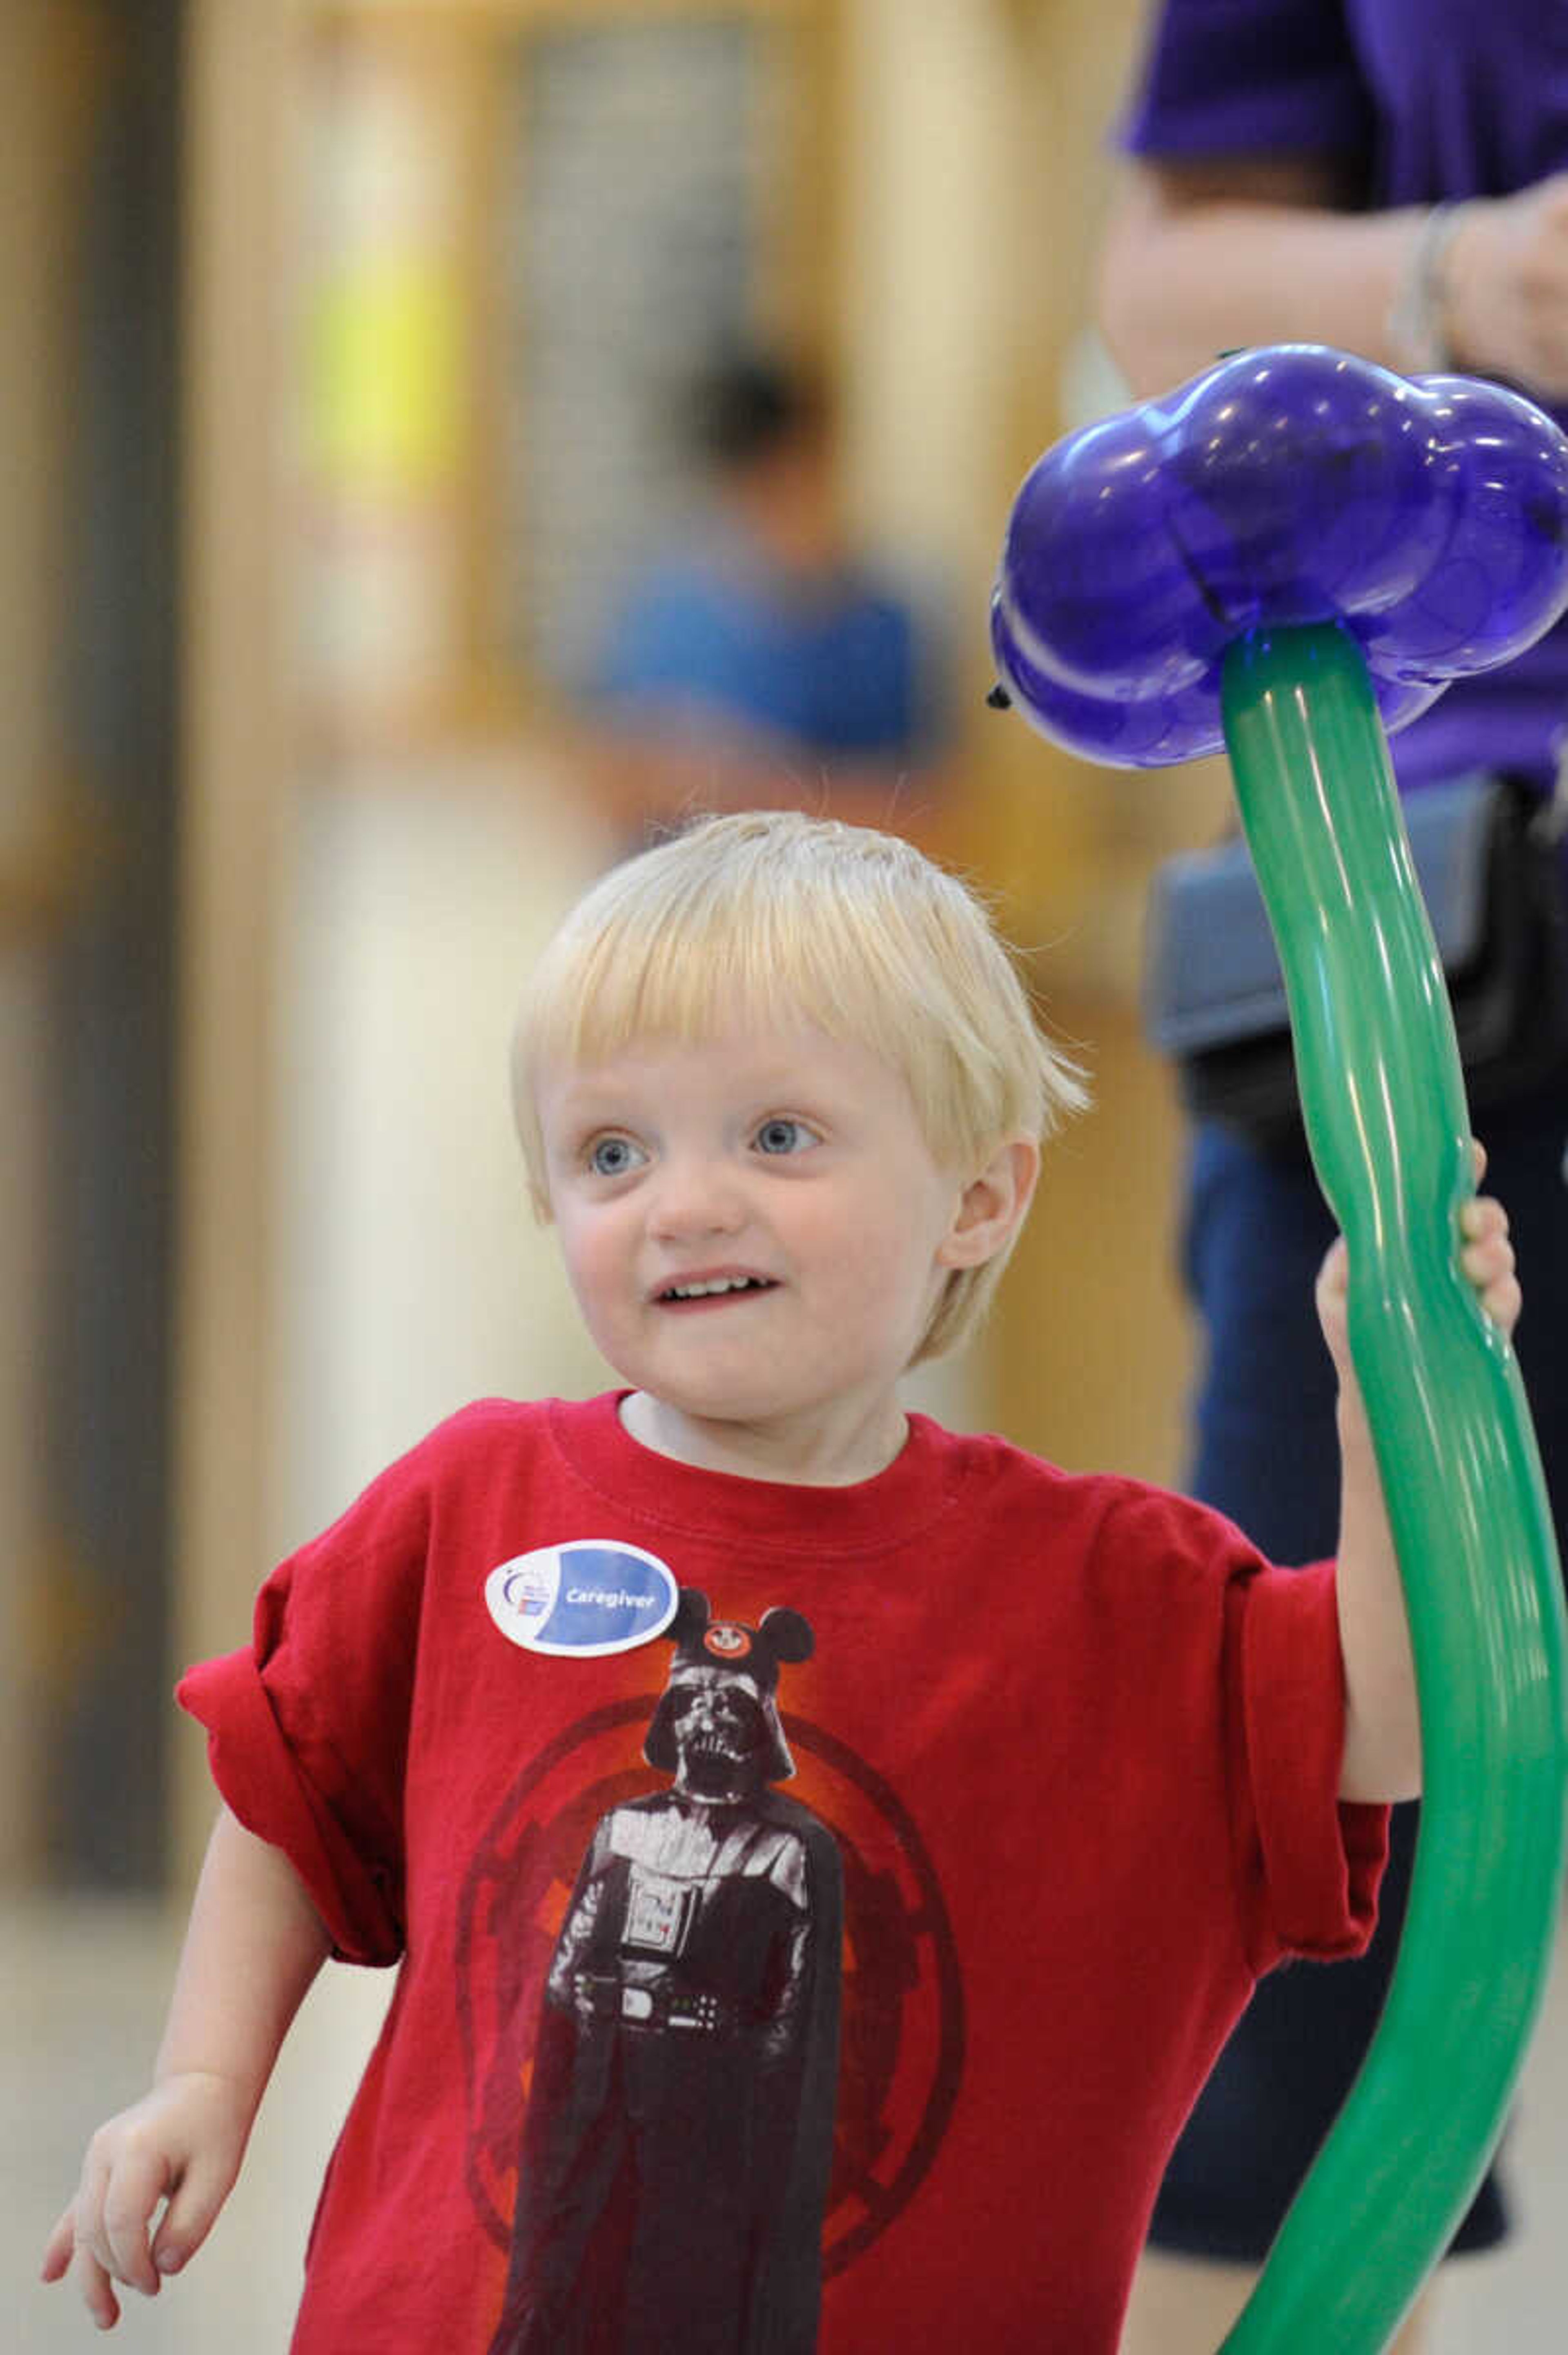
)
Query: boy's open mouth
[{"x": 712, "y": 1287}]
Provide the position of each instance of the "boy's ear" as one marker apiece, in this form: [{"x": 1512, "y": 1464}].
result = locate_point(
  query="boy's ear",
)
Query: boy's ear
[{"x": 992, "y": 1206}]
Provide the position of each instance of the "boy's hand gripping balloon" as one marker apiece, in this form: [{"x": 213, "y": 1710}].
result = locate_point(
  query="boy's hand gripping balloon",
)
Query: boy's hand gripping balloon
[{"x": 1293, "y": 544}]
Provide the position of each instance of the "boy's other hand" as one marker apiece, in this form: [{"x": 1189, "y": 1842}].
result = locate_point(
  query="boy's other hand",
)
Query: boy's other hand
[
  {"x": 1486, "y": 1256},
  {"x": 180, "y": 2145}
]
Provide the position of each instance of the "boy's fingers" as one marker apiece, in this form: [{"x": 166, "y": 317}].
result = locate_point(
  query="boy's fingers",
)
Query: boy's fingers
[
  {"x": 58, "y": 2246},
  {"x": 1336, "y": 1264},
  {"x": 1483, "y": 1214},
  {"x": 135, "y": 2187},
  {"x": 1488, "y": 1254},
  {"x": 1503, "y": 1300},
  {"x": 94, "y": 2288},
  {"x": 87, "y": 2209},
  {"x": 189, "y": 2216},
  {"x": 1486, "y": 1257}
]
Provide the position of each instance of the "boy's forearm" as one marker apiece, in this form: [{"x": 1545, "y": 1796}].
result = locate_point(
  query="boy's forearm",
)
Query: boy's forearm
[
  {"x": 1382, "y": 1723},
  {"x": 254, "y": 1945}
]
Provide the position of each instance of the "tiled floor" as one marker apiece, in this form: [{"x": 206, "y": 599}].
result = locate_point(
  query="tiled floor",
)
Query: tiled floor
[{"x": 85, "y": 1986}]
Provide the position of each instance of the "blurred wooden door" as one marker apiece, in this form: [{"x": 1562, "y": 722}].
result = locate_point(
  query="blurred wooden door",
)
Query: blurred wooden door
[{"x": 89, "y": 140}]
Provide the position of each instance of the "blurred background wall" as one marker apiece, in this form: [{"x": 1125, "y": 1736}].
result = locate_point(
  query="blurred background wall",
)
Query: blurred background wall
[
  {"x": 343, "y": 339},
  {"x": 89, "y": 399}
]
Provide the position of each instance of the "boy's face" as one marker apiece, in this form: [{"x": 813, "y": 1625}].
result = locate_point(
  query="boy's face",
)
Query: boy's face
[{"x": 754, "y": 1227}]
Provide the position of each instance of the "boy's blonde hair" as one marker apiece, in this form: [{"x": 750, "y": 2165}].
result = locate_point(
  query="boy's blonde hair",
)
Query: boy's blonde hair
[{"x": 767, "y": 918}]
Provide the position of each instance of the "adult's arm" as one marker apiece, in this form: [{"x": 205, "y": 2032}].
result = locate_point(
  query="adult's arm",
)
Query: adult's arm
[{"x": 1204, "y": 255}]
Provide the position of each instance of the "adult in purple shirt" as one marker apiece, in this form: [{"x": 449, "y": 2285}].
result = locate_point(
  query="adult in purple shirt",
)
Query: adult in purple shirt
[{"x": 1389, "y": 176}]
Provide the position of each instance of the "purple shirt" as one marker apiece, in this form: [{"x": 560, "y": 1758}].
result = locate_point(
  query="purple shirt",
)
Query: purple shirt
[{"x": 1432, "y": 99}]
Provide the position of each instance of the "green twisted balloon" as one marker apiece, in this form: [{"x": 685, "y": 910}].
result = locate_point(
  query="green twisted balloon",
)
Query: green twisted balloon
[{"x": 1385, "y": 1106}]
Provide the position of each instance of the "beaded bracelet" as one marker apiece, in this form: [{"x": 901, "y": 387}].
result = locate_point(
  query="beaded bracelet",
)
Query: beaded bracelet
[{"x": 1415, "y": 313}]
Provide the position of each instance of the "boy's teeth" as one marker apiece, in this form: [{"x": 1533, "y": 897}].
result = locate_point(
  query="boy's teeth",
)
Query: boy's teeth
[{"x": 719, "y": 1283}]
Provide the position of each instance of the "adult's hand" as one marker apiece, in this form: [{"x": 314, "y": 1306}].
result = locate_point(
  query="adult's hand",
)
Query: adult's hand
[{"x": 1505, "y": 307}]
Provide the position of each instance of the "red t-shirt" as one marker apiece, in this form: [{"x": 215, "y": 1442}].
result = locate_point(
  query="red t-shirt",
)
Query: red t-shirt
[{"x": 888, "y": 1982}]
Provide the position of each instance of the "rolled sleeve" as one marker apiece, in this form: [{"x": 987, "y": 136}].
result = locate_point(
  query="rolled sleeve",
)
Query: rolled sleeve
[
  {"x": 1314, "y": 1860},
  {"x": 263, "y": 1783},
  {"x": 308, "y": 1727}
]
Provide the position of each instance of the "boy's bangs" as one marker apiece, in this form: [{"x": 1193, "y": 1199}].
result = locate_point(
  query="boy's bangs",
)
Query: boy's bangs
[
  {"x": 691, "y": 980},
  {"x": 770, "y": 920}
]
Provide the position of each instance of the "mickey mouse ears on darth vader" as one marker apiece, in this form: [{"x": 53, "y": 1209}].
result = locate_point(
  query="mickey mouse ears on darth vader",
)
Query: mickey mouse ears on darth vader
[
  {"x": 781, "y": 1638},
  {"x": 1289, "y": 484}
]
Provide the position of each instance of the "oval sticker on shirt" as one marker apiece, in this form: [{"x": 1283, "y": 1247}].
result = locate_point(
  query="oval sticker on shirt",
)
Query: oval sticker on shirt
[{"x": 583, "y": 1599}]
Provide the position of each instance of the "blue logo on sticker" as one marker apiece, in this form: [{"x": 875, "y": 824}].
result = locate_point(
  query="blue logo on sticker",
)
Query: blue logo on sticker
[{"x": 582, "y": 1600}]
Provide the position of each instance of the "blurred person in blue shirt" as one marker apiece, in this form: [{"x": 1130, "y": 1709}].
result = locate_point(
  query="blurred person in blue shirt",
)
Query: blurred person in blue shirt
[{"x": 761, "y": 662}]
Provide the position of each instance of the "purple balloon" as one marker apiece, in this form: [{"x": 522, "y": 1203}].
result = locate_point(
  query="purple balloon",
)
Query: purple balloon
[
  {"x": 1285, "y": 485},
  {"x": 1131, "y": 627},
  {"x": 1504, "y": 563},
  {"x": 1400, "y": 700},
  {"x": 1302, "y": 488},
  {"x": 1155, "y": 731},
  {"x": 1147, "y": 731}
]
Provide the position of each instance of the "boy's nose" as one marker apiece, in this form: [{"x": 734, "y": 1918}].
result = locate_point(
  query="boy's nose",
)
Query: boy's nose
[{"x": 696, "y": 1196}]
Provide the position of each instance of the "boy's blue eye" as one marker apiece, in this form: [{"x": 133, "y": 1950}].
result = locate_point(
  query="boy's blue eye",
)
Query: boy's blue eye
[
  {"x": 611, "y": 1156},
  {"x": 782, "y": 1135}
]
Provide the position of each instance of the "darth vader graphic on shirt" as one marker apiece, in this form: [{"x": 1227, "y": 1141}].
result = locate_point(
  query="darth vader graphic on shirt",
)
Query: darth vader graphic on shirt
[{"x": 678, "y": 2138}]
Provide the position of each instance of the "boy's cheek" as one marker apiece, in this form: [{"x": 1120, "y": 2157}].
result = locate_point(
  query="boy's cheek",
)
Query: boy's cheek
[{"x": 578, "y": 1254}]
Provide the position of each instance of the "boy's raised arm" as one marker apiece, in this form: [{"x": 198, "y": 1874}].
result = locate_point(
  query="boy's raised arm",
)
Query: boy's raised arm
[
  {"x": 254, "y": 1945},
  {"x": 1382, "y": 1727}
]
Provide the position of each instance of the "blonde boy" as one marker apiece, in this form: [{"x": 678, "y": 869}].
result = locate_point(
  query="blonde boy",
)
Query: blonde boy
[{"x": 822, "y": 1854}]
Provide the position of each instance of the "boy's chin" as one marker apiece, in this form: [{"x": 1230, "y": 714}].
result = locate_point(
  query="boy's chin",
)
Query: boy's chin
[{"x": 715, "y": 1408}]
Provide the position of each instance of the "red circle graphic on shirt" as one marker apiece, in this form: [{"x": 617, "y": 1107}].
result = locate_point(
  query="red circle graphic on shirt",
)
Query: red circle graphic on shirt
[{"x": 902, "y": 2011}]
